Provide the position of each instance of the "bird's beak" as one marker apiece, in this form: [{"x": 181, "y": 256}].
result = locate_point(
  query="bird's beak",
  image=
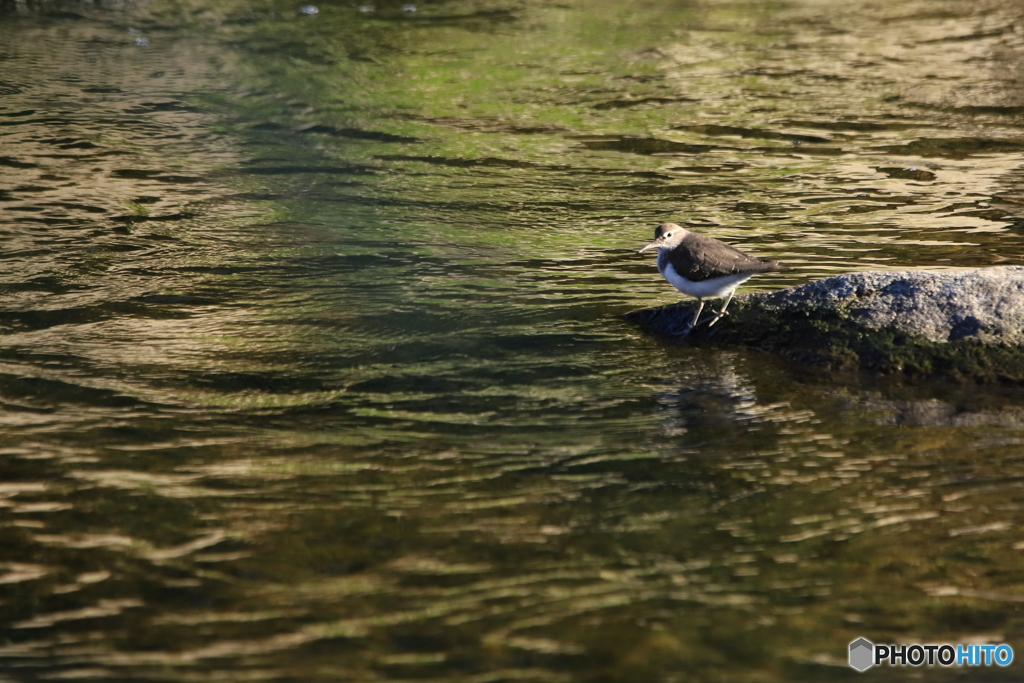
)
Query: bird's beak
[{"x": 652, "y": 245}]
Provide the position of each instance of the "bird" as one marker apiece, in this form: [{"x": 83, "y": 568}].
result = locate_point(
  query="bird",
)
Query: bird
[{"x": 703, "y": 267}]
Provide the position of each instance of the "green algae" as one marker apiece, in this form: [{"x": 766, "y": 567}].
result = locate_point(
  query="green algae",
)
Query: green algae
[{"x": 832, "y": 339}]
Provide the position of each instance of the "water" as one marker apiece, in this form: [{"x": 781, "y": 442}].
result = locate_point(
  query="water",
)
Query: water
[{"x": 313, "y": 365}]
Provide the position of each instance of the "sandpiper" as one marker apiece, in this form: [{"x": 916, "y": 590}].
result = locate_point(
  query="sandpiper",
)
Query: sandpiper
[{"x": 703, "y": 267}]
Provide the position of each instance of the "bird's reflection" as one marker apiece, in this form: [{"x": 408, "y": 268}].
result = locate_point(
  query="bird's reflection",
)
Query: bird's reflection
[{"x": 713, "y": 394}]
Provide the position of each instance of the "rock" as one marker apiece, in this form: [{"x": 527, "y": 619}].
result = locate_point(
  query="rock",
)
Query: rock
[{"x": 962, "y": 325}]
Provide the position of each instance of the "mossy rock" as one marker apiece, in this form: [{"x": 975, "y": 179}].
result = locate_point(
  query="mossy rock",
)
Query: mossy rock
[{"x": 966, "y": 326}]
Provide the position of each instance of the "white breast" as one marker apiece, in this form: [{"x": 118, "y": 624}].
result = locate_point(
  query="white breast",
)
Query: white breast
[{"x": 707, "y": 289}]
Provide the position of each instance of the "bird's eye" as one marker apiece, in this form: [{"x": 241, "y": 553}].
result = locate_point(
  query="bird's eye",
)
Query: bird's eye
[{"x": 668, "y": 234}]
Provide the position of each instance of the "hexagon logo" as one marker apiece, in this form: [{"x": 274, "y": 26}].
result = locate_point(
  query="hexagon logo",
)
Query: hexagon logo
[{"x": 862, "y": 654}]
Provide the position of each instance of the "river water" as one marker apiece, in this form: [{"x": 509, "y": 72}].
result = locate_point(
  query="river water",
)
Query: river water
[{"x": 313, "y": 365}]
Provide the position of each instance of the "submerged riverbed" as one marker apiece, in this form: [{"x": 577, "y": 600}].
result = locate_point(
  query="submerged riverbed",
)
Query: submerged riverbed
[{"x": 313, "y": 364}]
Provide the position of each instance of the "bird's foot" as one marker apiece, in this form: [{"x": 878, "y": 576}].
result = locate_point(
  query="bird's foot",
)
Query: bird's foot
[
  {"x": 713, "y": 317},
  {"x": 718, "y": 316}
]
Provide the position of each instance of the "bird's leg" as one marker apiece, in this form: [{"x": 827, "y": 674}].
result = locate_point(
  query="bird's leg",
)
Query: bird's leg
[
  {"x": 696, "y": 316},
  {"x": 722, "y": 311}
]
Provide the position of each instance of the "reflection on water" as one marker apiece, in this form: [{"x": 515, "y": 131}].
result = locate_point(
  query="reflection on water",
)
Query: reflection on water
[{"x": 314, "y": 367}]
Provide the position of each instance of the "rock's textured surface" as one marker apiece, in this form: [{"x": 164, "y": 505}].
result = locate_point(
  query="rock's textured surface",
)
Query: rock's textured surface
[
  {"x": 966, "y": 325},
  {"x": 987, "y": 304}
]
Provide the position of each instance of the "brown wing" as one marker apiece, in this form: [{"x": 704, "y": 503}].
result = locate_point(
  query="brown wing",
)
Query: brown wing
[{"x": 703, "y": 258}]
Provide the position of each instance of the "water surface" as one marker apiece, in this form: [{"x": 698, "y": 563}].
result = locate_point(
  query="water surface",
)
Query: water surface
[{"x": 313, "y": 365}]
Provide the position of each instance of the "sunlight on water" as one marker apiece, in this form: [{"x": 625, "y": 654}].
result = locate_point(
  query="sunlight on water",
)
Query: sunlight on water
[{"x": 315, "y": 366}]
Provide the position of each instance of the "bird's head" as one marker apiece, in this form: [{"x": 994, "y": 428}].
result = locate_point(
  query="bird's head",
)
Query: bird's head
[{"x": 666, "y": 236}]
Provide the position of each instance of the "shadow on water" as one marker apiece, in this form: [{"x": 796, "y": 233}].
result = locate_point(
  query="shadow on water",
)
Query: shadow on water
[{"x": 313, "y": 365}]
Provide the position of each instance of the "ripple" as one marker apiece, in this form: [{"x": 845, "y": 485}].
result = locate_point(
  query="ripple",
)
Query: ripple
[{"x": 315, "y": 364}]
